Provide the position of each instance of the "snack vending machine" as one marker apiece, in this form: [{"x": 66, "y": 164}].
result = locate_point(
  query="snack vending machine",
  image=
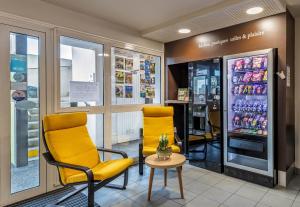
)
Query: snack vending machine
[{"x": 248, "y": 116}]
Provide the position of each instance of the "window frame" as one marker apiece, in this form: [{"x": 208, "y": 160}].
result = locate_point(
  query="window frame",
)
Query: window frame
[{"x": 107, "y": 108}]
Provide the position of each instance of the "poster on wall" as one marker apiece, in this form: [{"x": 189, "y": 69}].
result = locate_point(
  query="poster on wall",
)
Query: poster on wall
[
  {"x": 142, "y": 65},
  {"x": 120, "y": 76},
  {"x": 19, "y": 95},
  {"x": 128, "y": 78},
  {"x": 142, "y": 91},
  {"x": 152, "y": 68},
  {"x": 142, "y": 78},
  {"x": 119, "y": 92},
  {"x": 128, "y": 91},
  {"x": 150, "y": 92},
  {"x": 128, "y": 64},
  {"x": 18, "y": 63},
  {"x": 119, "y": 63},
  {"x": 152, "y": 80},
  {"x": 81, "y": 91}
]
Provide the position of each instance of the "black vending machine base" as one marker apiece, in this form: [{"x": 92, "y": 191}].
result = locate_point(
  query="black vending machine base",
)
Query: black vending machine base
[{"x": 250, "y": 176}]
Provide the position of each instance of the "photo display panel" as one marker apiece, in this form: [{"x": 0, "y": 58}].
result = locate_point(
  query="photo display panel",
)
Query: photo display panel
[{"x": 135, "y": 77}]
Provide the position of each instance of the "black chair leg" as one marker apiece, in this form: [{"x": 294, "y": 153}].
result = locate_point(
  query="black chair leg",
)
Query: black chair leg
[
  {"x": 141, "y": 167},
  {"x": 91, "y": 194},
  {"x": 125, "y": 179},
  {"x": 141, "y": 159}
]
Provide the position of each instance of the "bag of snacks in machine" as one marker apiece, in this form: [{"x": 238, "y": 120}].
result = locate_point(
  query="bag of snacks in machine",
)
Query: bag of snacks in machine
[
  {"x": 235, "y": 90},
  {"x": 248, "y": 63},
  {"x": 265, "y": 78},
  {"x": 238, "y": 65},
  {"x": 247, "y": 77},
  {"x": 257, "y": 76},
  {"x": 259, "y": 62},
  {"x": 241, "y": 89}
]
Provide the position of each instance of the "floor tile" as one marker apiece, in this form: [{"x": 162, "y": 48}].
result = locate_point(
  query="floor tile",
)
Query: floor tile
[
  {"x": 296, "y": 204},
  {"x": 174, "y": 195},
  {"x": 251, "y": 193},
  {"x": 164, "y": 202},
  {"x": 258, "y": 187},
  {"x": 239, "y": 201},
  {"x": 274, "y": 200},
  {"x": 197, "y": 187},
  {"x": 210, "y": 179},
  {"x": 133, "y": 189},
  {"x": 142, "y": 199},
  {"x": 108, "y": 198},
  {"x": 229, "y": 185},
  {"x": 287, "y": 193},
  {"x": 217, "y": 194},
  {"x": 294, "y": 184},
  {"x": 175, "y": 182},
  {"x": 201, "y": 201},
  {"x": 126, "y": 203},
  {"x": 194, "y": 174}
]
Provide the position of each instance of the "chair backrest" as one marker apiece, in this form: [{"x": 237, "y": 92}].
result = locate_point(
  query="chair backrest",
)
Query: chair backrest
[
  {"x": 158, "y": 120},
  {"x": 68, "y": 141}
]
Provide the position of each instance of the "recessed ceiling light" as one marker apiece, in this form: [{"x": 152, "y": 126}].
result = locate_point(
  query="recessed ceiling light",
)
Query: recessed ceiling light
[
  {"x": 184, "y": 31},
  {"x": 255, "y": 10}
]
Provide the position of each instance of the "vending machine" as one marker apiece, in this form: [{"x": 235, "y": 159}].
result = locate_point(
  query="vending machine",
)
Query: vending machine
[{"x": 248, "y": 116}]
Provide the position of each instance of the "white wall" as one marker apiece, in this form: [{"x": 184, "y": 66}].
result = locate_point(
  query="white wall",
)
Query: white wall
[
  {"x": 41, "y": 11},
  {"x": 297, "y": 90}
]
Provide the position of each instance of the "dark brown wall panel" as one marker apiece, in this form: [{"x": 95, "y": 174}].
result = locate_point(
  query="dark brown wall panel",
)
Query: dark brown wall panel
[{"x": 275, "y": 30}]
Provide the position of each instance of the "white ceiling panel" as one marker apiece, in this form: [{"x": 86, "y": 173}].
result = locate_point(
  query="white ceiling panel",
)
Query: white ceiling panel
[
  {"x": 218, "y": 19},
  {"x": 160, "y": 19}
]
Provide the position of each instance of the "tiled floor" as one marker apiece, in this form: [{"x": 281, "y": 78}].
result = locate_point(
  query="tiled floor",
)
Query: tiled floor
[{"x": 202, "y": 188}]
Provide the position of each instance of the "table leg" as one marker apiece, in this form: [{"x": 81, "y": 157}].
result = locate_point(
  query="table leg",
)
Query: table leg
[
  {"x": 166, "y": 174},
  {"x": 179, "y": 172},
  {"x": 150, "y": 183}
]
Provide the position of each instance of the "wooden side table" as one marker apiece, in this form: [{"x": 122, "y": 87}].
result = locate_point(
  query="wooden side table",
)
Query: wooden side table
[{"x": 175, "y": 161}]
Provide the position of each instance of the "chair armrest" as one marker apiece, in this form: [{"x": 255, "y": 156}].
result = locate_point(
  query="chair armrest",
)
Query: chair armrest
[
  {"x": 50, "y": 160},
  {"x": 113, "y": 151},
  {"x": 178, "y": 140}
]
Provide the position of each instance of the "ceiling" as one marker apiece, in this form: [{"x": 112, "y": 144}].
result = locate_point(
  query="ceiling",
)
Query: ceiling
[
  {"x": 294, "y": 7},
  {"x": 160, "y": 19}
]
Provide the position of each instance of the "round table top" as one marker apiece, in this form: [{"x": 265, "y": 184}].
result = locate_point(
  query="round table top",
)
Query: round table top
[{"x": 175, "y": 160}]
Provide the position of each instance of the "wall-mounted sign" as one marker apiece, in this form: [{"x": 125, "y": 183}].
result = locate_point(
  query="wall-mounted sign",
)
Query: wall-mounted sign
[
  {"x": 84, "y": 91},
  {"x": 234, "y": 38}
]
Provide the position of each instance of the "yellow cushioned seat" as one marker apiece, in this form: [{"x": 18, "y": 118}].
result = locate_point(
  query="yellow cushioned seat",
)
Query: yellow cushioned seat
[
  {"x": 69, "y": 142},
  {"x": 158, "y": 120},
  {"x": 103, "y": 171}
]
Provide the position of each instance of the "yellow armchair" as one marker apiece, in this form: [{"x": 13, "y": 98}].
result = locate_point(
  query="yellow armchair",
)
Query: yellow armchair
[
  {"x": 70, "y": 148},
  {"x": 158, "y": 120}
]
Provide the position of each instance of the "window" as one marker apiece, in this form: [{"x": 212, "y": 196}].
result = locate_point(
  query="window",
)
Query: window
[
  {"x": 95, "y": 128},
  {"x": 135, "y": 77},
  {"x": 25, "y": 112},
  {"x": 81, "y": 73},
  {"x": 126, "y": 132}
]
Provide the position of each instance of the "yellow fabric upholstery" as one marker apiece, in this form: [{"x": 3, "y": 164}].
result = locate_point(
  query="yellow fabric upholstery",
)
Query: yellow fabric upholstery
[
  {"x": 152, "y": 150},
  {"x": 69, "y": 120},
  {"x": 157, "y": 121},
  {"x": 103, "y": 170},
  {"x": 69, "y": 142}
]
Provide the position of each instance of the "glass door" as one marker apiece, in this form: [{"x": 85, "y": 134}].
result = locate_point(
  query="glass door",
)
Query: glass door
[{"x": 23, "y": 103}]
